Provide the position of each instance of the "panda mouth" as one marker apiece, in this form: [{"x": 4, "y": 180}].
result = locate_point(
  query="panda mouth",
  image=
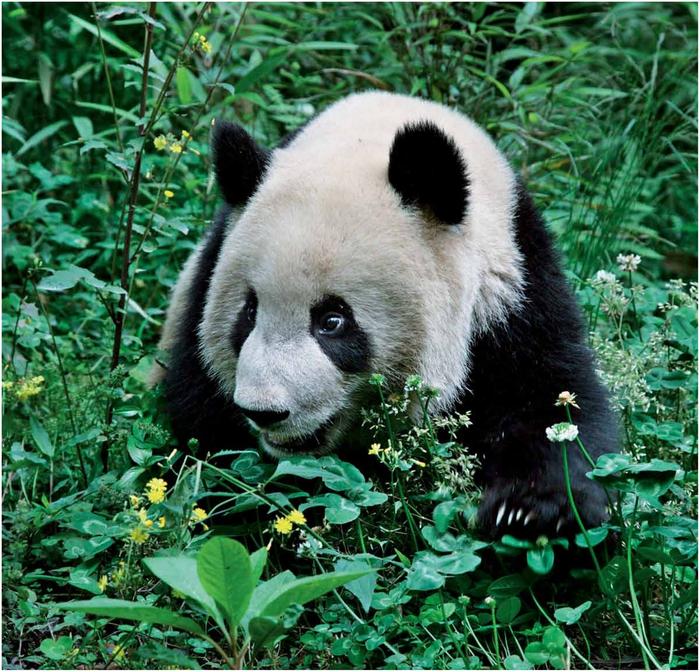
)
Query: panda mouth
[{"x": 308, "y": 444}]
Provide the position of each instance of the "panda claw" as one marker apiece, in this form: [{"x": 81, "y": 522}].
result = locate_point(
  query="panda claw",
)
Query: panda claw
[
  {"x": 510, "y": 517},
  {"x": 519, "y": 515},
  {"x": 529, "y": 518},
  {"x": 499, "y": 516},
  {"x": 560, "y": 524}
]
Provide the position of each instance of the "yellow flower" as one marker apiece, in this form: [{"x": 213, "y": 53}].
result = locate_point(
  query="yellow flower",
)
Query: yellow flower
[
  {"x": 168, "y": 194},
  {"x": 161, "y": 522},
  {"x": 161, "y": 142},
  {"x": 7, "y": 385},
  {"x": 118, "y": 652},
  {"x": 296, "y": 517},
  {"x": 148, "y": 523},
  {"x": 176, "y": 148},
  {"x": 143, "y": 515},
  {"x": 283, "y": 525},
  {"x": 138, "y": 535},
  {"x": 135, "y": 500},
  {"x": 186, "y": 135},
  {"x": 155, "y": 490},
  {"x": 102, "y": 582},
  {"x": 374, "y": 449},
  {"x": 198, "y": 515},
  {"x": 29, "y": 388}
]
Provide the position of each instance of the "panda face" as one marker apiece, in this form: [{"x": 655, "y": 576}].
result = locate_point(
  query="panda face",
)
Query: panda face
[
  {"x": 295, "y": 319},
  {"x": 378, "y": 240}
]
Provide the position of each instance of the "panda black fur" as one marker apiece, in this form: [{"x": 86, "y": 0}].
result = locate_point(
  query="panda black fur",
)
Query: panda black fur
[{"x": 388, "y": 235}]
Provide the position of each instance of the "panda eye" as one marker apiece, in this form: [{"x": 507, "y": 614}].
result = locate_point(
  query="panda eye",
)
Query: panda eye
[
  {"x": 250, "y": 310},
  {"x": 331, "y": 324}
]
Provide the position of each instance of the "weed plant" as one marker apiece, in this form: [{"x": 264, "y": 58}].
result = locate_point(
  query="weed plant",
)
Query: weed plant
[{"x": 107, "y": 188}]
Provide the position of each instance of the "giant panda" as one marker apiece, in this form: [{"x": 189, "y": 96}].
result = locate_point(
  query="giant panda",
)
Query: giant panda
[{"x": 388, "y": 235}]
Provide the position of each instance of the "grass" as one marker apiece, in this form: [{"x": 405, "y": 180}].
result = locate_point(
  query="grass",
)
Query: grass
[{"x": 594, "y": 104}]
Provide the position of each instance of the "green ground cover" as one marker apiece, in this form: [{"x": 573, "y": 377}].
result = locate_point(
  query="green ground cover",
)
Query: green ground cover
[{"x": 106, "y": 189}]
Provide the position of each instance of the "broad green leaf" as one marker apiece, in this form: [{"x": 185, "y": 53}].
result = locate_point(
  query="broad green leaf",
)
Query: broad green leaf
[
  {"x": 338, "y": 509},
  {"x": 41, "y": 437},
  {"x": 595, "y": 536},
  {"x": 301, "y": 591},
  {"x": 362, "y": 588},
  {"x": 263, "y": 630},
  {"x": 56, "y": 649},
  {"x": 571, "y": 615},
  {"x": 336, "y": 474},
  {"x": 507, "y": 586},
  {"x": 541, "y": 560},
  {"x": 263, "y": 593},
  {"x": 507, "y": 609},
  {"x": 514, "y": 662},
  {"x": 132, "y": 611},
  {"x": 84, "y": 127},
  {"x": 182, "y": 81},
  {"x": 257, "y": 564},
  {"x": 224, "y": 569},
  {"x": 180, "y": 573},
  {"x": 41, "y": 135}
]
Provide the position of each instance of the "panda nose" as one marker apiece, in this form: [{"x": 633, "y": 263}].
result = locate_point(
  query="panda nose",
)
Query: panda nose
[{"x": 264, "y": 418}]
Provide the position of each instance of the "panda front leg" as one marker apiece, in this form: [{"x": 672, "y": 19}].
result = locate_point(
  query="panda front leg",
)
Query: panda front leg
[{"x": 525, "y": 493}]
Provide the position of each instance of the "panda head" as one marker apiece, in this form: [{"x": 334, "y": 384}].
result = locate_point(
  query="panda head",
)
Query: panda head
[{"x": 354, "y": 249}]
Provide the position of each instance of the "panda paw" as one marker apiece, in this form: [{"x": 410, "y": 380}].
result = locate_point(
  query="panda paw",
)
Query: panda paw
[{"x": 524, "y": 510}]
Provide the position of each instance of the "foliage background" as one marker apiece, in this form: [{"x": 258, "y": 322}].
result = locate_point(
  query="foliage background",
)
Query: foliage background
[{"x": 595, "y": 104}]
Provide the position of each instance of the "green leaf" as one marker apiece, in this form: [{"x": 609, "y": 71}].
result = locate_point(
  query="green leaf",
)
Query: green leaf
[
  {"x": 514, "y": 662},
  {"x": 336, "y": 474},
  {"x": 595, "y": 536},
  {"x": 45, "y": 69},
  {"x": 41, "y": 135},
  {"x": 263, "y": 593},
  {"x": 56, "y": 649},
  {"x": 362, "y": 588},
  {"x": 507, "y": 610},
  {"x": 263, "y": 630},
  {"x": 132, "y": 611},
  {"x": 338, "y": 509},
  {"x": 107, "y": 36},
  {"x": 84, "y": 127},
  {"x": 507, "y": 586},
  {"x": 257, "y": 564},
  {"x": 182, "y": 81},
  {"x": 301, "y": 591},
  {"x": 541, "y": 560},
  {"x": 571, "y": 615},
  {"x": 224, "y": 568},
  {"x": 41, "y": 437},
  {"x": 180, "y": 573}
]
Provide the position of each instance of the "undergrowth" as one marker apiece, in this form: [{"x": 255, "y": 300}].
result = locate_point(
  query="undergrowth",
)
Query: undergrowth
[{"x": 106, "y": 190}]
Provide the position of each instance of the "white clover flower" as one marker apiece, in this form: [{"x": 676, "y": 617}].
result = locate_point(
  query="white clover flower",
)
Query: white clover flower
[
  {"x": 628, "y": 262},
  {"x": 604, "y": 278},
  {"x": 562, "y": 431}
]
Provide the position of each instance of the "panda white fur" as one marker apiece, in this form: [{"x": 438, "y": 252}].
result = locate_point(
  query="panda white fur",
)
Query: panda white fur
[{"x": 387, "y": 235}]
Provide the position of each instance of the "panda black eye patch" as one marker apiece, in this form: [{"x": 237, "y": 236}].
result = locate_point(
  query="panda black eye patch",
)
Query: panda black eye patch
[
  {"x": 342, "y": 340},
  {"x": 245, "y": 321}
]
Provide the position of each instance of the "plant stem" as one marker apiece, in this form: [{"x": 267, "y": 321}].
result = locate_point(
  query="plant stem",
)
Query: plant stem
[{"x": 64, "y": 382}]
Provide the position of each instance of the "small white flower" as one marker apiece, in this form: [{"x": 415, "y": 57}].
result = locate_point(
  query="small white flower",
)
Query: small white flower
[
  {"x": 604, "y": 278},
  {"x": 628, "y": 262},
  {"x": 562, "y": 431}
]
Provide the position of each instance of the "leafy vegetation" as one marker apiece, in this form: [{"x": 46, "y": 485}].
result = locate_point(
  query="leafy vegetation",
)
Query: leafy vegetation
[{"x": 107, "y": 188}]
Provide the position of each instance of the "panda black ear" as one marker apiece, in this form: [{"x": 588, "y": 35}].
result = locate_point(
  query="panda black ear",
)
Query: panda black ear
[
  {"x": 427, "y": 170},
  {"x": 239, "y": 161}
]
